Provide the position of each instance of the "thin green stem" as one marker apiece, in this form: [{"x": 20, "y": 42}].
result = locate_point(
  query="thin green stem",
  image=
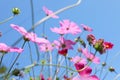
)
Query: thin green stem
[
  {"x": 15, "y": 60},
  {"x": 66, "y": 65},
  {"x": 31, "y": 59},
  {"x": 50, "y": 61},
  {"x": 6, "y": 20},
  {"x": 1, "y": 59}
]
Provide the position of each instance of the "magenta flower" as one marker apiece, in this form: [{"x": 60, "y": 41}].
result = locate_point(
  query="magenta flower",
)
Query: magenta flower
[
  {"x": 93, "y": 77},
  {"x": 29, "y": 36},
  {"x": 4, "y": 49},
  {"x": 63, "y": 43},
  {"x": 90, "y": 56},
  {"x": 84, "y": 72},
  {"x": 49, "y": 12},
  {"x": 66, "y": 44},
  {"x": 86, "y": 28},
  {"x": 67, "y": 27}
]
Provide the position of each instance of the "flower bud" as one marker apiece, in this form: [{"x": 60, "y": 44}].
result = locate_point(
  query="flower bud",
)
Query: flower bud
[
  {"x": 16, "y": 72},
  {"x": 16, "y": 11},
  {"x": 104, "y": 64},
  {"x": 111, "y": 69},
  {"x": 99, "y": 45},
  {"x": 90, "y": 38},
  {"x": 3, "y": 69}
]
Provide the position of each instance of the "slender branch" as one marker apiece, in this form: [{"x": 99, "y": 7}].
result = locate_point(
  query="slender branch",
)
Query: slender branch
[
  {"x": 31, "y": 59},
  {"x": 50, "y": 57},
  {"x": 1, "y": 58},
  {"x": 7, "y": 19},
  {"x": 15, "y": 60}
]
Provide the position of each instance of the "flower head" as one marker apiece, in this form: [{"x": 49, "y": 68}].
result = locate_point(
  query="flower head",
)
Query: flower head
[
  {"x": 84, "y": 72},
  {"x": 49, "y": 12},
  {"x": 29, "y": 36},
  {"x": 67, "y": 27},
  {"x": 78, "y": 59},
  {"x": 46, "y": 47},
  {"x": 90, "y": 56},
  {"x": 63, "y": 52},
  {"x": 91, "y": 39},
  {"x": 86, "y": 28},
  {"x": 4, "y": 49},
  {"x": 108, "y": 45}
]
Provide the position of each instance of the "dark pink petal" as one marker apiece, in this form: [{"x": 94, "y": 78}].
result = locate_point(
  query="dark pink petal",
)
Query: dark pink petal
[{"x": 86, "y": 72}]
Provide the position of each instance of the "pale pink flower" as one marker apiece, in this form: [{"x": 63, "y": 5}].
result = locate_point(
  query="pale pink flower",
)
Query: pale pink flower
[
  {"x": 49, "y": 12},
  {"x": 57, "y": 44},
  {"x": 4, "y": 48},
  {"x": 46, "y": 47},
  {"x": 67, "y": 27},
  {"x": 78, "y": 59},
  {"x": 29, "y": 36},
  {"x": 90, "y": 56},
  {"x": 86, "y": 28},
  {"x": 15, "y": 49}
]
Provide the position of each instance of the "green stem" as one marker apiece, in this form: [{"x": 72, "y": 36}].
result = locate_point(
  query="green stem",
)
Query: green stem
[
  {"x": 15, "y": 60},
  {"x": 31, "y": 59},
  {"x": 6, "y": 19},
  {"x": 1, "y": 59}
]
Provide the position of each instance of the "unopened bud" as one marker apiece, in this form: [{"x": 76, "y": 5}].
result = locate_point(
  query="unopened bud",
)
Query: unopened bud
[
  {"x": 111, "y": 69},
  {"x": 16, "y": 11},
  {"x": 104, "y": 64}
]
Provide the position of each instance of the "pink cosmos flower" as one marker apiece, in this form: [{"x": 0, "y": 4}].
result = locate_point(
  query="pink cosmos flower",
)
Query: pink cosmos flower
[
  {"x": 4, "y": 48},
  {"x": 78, "y": 59},
  {"x": 86, "y": 28},
  {"x": 49, "y": 12},
  {"x": 66, "y": 44},
  {"x": 15, "y": 49},
  {"x": 67, "y": 27},
  {"x": 46, "y": 47},
  {"x": 90, "y": 56},
  {"x": 85, "y": 73},
  {"x": 63, "y": 43},
  {"x": 93, "y": 77},
  {"x": 29, "y": 35}
]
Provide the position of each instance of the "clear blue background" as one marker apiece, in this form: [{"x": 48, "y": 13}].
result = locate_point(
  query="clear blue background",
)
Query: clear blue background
[{"x": 102, "y": 15}]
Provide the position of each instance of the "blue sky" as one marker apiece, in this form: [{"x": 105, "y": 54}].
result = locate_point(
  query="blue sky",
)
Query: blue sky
[{"x": 102, "y": 15}]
